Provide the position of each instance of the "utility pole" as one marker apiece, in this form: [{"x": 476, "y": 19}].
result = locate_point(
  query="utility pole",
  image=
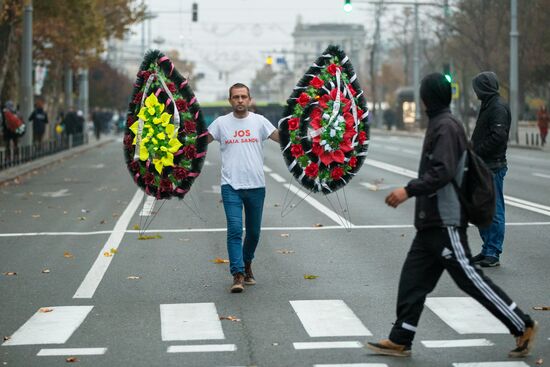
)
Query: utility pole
[
  {"x": 83, "y": 92},
  {"x": 416, "y": 70},
  {"x": 26, "y": 89},
  {"x": 514, "y": 82}
]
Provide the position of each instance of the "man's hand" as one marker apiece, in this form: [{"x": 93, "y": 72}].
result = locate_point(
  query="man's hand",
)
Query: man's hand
[
  {"x": 397, "y": 197},
  {"x": 274, "y": 135}
]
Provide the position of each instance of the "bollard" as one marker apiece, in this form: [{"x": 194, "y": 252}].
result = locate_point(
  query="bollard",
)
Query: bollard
[
  {"x": 532, "y": 139},
  {"x": 526, "y": 138}
]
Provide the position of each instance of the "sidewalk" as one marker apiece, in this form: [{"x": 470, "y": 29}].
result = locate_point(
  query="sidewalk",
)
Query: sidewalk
[{"x": 14, "y": 173}]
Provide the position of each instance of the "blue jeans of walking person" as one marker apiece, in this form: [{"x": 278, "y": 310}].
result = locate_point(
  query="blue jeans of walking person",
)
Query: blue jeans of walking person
[
  {"x": 493, "y": 236},
  {"x": 233, "y": 202}
]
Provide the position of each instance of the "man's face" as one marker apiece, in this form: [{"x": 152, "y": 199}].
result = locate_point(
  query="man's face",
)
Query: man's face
[{"x": 240, "y": 99}]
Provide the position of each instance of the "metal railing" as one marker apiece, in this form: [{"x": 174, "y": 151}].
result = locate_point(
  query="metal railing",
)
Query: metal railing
[{"x": 10, "y": 157}]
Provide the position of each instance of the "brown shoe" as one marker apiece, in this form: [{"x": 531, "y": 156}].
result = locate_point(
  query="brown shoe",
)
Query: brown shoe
[
  {"x": 524, "y": 343},
  {"x": 389, "y": 348},
  {"x": 238, "y": 283},
  {"x": 248, "y": 276}
]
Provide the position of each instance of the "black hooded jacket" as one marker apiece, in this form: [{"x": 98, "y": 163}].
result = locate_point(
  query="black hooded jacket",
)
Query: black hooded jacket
[
  {"x": 442, "y": 160},
  {"x": 490, "y": 136}
]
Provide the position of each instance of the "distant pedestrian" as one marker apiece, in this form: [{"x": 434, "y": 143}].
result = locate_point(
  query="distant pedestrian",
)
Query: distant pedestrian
[
  {"x": 96, "y": 119},
  {"x": 13, "y": 127},
  {"x": 39, "y": 119},
  {"x": 441, "y": 241},
  {"x": 543, "y": 119},
  {"x": 490, "y": 139},
  {"x": 241, "y": 135}
]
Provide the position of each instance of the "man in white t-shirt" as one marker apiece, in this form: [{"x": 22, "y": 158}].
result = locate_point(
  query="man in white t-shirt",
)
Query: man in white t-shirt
[{"x": 241, "y": 135}]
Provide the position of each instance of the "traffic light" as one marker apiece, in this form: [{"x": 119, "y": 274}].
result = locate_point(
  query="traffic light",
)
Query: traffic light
[
  {"x": 269, "y": 60},
  {"x": 347, "y": 6},
  {"x": 195, "y": 12},
  {"x": 447, "y": 72}
]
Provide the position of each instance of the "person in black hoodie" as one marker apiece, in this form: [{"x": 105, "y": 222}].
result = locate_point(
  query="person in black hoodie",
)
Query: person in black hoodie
[
  {"x": 441, "y": 242},
  {"x": 490, "y": 138}
]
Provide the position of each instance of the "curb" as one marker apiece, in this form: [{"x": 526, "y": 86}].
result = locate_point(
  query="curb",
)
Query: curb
[{"x": 23, "y": 169}]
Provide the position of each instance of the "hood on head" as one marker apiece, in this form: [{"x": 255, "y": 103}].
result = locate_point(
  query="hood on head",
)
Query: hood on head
[
  {"x": 485, "y": 85},
  {"x": 435, "y": 91},
  {"x": 10, "y": 106}
]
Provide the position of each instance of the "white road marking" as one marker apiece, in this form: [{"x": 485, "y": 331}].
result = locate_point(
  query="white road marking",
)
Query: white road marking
[
  {"x": 352, "y": 365},
  {"x": 53, "y": 327},
  {"x": 148, "y": 206},
  {"x": 465, "y": 315},
  {"x": 190, "y": 321},
  {"x": 216, "y": 189},
  {"x": 277, "y": 177},
  {"x": 71, "y": 352},
  {"x": 327, "y": 345},
  {"x": 202, "y": 348},
  {"x": 410, "y": 151},
  {"x": 491, "y": 364},
  {"x": 459, "y": 343},
  {"x": 391, "y": 168},
  {"x": 99, "y": 268},
  {"x": 205, "y": 230},
  {"x": 267, "y": 169},
  {"x": 541, "y": 175},
  {"x": 56, "y": 194},
  {"x": 328, "y": 318},
  {"x": 320, "y": 207},
  {"x": 208, "y": 163}
]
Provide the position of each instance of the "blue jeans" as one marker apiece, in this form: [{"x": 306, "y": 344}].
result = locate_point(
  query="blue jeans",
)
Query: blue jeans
[
  {"x": 233, "y": 202},
  {"x": 493, "y": 236}
]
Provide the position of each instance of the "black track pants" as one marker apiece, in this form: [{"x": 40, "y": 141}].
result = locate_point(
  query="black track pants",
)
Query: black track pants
[{"x": 435, "y": 250}]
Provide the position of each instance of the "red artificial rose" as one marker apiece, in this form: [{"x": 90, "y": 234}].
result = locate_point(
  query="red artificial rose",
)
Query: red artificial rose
[
  {"x": 171, "y": 87},
  {"x": 190, "y": 127},
  {"x": 352, "y": 162},
  {"x": 353, "y": 92},
  {"x": 149, "y": 178},
  {"x": 349, "y": 134},
  {"x": 190, "y": 151},
  {"x": 296, "y": 150},
  {"x": 317, "y": 149},
  {"x": 333, "y": 93},
  {"x": 337, "y": 173},
  {"x": 303, "y": 100},
  {"x": 360, "y": 113},
  {"x": 316, "y": 82},
  {"x": 315, "y": 123},
  {"x": 137, "y": 98},
  {"x": 332, "y": 69},
  {"x": 181, "y": 105},
  {"x": 134, "y": 166},
  {"x": 128, "y": 139},
  {"x": 362, "y": 137},
  {"x": 326, "y": 158},
  {"x": 145, "y": 74},
  {"x": 338, "y": 156},
  {"x": 180, "y": 173},
  {"x": 293, "y": 123},
  {"x": 130, "y": 120},
  {"x": 323, "y": 100},
  {"x": 165, "y": 185},
  {"x": 312, "y": 170},
  {"x": 345, "y": 146},
  {"x": 348, "y": 117},
  {"x": 316, "y": 113}
]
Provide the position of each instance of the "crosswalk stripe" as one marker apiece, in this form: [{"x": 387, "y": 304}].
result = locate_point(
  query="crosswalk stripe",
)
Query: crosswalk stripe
[
  {"x": 352, "y": 365},
  {"x": 491, "y": 364},
  {"x": 71, "y": 352},
  {"x": 52, "y": 327},
  {"x": 465, "y": 315},
  {"x": 148, "y": 206},
  {"x": 328, "y": 318},
  {"x": 457, "y": 343},
  {"x": 190, "y": 321},
  {"x": 202, "y": 348},
  {"x": 327, "y": 345}
]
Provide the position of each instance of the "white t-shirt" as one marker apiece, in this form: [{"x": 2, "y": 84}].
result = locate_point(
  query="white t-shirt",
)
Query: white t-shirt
[{"x": 241, "y": 144}]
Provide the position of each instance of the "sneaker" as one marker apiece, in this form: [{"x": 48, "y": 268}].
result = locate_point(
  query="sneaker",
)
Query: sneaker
[
  {"x": 389, "y": 348},
  {"x": 489, "y": 262},
  {"x": 248, "y": 276},
  {"x": 524, "y": 343},
  {"x": 238, "y": 283},
  {"x": 478, "y": 258}
]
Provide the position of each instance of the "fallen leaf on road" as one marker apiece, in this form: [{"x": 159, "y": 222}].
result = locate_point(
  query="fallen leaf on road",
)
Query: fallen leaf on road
[
  {"x": 81, "y": 218},
  {"x": 133, "y": 277},
  {"x": 317, "y": 225},
  {"x": 539, "y": 362},
  {"x": 45, "y": 310},
  {"x": 36, "y": 215},
  {"x": 114, "y": 250},
  {"x": 276, "y": 205},
  {"x": 102, "y": 221},
  {"x": 9, "y": 273},
  {"x": 84, "y": 211},
  {"x": 68, "y": 255},
  {"x": 65, "y": 212},
  {"x": 284, "y": 251},
  {"x": 136, "y": 227},
  {"x": 71, "y": 360},
  {"x": 230, "y": 318},
  {"x": 107, "y": 254},
  {"x": 7, "y": 338},
  {"x": 309, "y": 276},
  {"x": 219, "y": 260},
  {"x": 116, "y": 215},
  {"x": 146, "y": 237},
  {"x": 285, "y": 235},
  {"x": 541, "y": 308},
  {"x": 46, "y": 271}
]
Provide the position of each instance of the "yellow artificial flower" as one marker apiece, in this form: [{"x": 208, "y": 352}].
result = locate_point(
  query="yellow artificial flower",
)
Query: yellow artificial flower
[
  {"x": 134, "y": 127},
  {"x": 158, "y": 164},
  {"x": 145, "y": 140},
  {"x": 157, "y": 120},
  {"x": 151, "y": 110},
  {"x": 143, "y": 153},
  {"x": 165, "y": 118},
  {"x": 155, "y": 141},
  {"x": 168, "y": 160},
  {"x": 173, "y": 145},
  {"x": 169, "y": 130},
  {"x": 151, "y": 101},
  {"x": 161, "y": 136},
  {"x": 141, "y": 114}
]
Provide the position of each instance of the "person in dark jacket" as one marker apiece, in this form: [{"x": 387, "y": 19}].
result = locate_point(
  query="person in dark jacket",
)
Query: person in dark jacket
[
  {"x": 490, "y": 138},
  {"x": 441, "y": 242},
  {"x": 39, "y": 119}
]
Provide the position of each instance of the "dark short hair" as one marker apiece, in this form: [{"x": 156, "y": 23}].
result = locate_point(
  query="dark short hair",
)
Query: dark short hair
[{"x": 238, "y": 85}]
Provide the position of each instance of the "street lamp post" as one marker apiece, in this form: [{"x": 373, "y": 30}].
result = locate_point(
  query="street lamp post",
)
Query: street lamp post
[
  {"x": 26, "y": 89},
  {"x": 514, "y": 105}
]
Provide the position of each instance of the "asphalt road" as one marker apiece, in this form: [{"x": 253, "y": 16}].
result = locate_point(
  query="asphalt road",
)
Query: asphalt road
[{"x": 86, "y": 287}]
